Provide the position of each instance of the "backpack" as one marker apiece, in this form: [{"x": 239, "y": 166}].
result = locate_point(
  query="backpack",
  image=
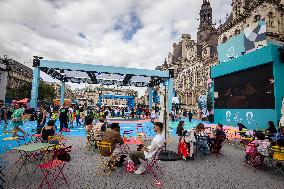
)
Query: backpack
[{"x": 130, "y": 166}]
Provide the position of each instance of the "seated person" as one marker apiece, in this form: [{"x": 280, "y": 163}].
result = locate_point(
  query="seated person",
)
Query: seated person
[
  {"x": 271, "y": 130},
  {"x": 190, "y": 140},
  {"x": 219, "y": 134},
  {"x": 148, "y": 152},
  {"x": 186, "y": 144},
  {"x": 241, "y": 129},
  {"x": 259, "y": 145},
  {"x": 279, "y": 137},
  {"x": 48, "y": 130},
  {"x": 202, "y": 138},
  {"x": 112, "y": 136},
  {"x": 89, "y": 130},
  {"x": 99, "y": 129}
]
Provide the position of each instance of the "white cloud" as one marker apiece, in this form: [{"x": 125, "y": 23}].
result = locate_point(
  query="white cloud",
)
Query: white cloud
[{"x": 50, "y": 28}]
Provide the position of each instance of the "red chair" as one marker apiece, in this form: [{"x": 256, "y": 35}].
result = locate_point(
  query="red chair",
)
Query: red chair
[
  {"x": 151, "y": 163},
  {"x": 54, "y": 168}
]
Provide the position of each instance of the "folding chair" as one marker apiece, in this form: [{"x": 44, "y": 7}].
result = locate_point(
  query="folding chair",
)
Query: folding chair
[
  {"x": 36, "y": 138},
  {"x": 105, "y": 165},
  {"x": 217, "y": 145},
  {"x": 151, "y": 163},
  {"x": 54, "y": 167},
  {"x": 92, "y": 140},
  {"x": 277, "y": 158}
]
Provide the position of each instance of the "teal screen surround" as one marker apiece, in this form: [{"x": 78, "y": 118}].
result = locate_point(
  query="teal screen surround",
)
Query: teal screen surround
[
  {"x": 253, "y": 118},
  {"x": 232, "y": 48}
]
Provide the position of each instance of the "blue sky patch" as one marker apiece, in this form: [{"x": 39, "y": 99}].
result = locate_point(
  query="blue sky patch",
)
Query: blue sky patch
[
  {"x": 82, "y": 35},
  {"x": 128, "y": 24}
]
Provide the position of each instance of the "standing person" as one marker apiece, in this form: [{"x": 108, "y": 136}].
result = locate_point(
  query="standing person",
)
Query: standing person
[
  {"x": 70, "y": 116},
  {"x": 123, "y": 112},
  {"x": 63, "y": 118},
  {"x": 54, "y": 116},
  {"x": 190, "y": 116},
  {"x": 3, "y": 114},
  {"x": 17, "y": 120},
  {"x": 41, "y": 119},
  {"x": 148, "y": 152},
  {"x": 180, "y": 129},
  {"x": 78, "y": 114},
  {"x": 153, "y": 116},
  {"x": 132, "y": 113}
]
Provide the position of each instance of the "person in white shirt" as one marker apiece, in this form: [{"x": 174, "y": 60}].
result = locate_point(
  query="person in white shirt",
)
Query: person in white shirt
[
  {"x": 153, "y": 116},
  {"x": 148, "y": 152}
]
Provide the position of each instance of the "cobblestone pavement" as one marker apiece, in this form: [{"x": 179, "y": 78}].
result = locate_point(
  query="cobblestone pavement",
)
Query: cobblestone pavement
[{"x": 227, "y": 171}]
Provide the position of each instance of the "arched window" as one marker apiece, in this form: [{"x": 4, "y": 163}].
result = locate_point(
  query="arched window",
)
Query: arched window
[
  {"x": 224, "y": 39},
  {"x": 237, "y": 31}
]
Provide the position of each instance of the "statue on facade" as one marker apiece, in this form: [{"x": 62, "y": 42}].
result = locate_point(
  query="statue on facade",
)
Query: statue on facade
[{"x": 281, "y": 123}]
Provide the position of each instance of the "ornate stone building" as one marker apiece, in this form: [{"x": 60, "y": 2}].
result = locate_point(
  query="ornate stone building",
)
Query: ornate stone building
[
  {"x": 191, "y": 60},
  {"x": 18, "y": 76},
  {"x": 247, "y": 12}
]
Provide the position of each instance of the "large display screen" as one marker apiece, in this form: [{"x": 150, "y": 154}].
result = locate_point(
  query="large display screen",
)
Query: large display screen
[{"x": 249, "y": 89}]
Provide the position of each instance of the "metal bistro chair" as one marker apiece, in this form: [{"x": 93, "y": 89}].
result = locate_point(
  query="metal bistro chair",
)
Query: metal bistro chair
[
  {"x": 217, "y": 145},
  {"x": 105, "y": 166},
  {"x": 53, "y": 169},
  {"x": 277, "y": 158}
]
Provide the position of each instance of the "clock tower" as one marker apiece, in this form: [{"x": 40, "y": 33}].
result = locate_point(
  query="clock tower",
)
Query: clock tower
[{"x": 205, "y": 29}]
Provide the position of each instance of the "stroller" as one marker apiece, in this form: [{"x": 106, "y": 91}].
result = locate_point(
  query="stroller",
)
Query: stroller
[{"x": 256, "y": 152}]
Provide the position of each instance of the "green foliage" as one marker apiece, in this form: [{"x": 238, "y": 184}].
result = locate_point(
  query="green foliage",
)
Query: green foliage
[{"x": 46, "y": 92}]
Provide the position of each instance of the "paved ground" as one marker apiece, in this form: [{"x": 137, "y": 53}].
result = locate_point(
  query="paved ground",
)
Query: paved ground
[{"x": 209, "y": 172}]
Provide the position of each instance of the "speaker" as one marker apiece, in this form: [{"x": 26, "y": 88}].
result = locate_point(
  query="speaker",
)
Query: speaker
[
  {"x": 172, "y": 73},
  {"x": 36, "y": 62},
  {"x": 281, "y": 51}
]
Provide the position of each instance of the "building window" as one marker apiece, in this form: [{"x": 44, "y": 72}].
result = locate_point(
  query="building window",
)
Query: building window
[
  {"x": 256, "y": 18},
  {"x": 270, "y": 19},
  {"x": 237, "y": 31}
]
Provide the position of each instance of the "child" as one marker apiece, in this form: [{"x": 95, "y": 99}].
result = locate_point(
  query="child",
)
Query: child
[
  {"x": 47, "y": 131},
  {"x": 259, "y": 145},
  {"x": 89, "y": 130}
]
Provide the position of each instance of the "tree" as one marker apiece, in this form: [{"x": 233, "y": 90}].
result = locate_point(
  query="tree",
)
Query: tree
[{"x": 46, "y": 92}]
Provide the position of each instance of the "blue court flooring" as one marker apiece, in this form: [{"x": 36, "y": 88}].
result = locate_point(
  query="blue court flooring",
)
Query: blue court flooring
[{"x": 80, "y": 131}]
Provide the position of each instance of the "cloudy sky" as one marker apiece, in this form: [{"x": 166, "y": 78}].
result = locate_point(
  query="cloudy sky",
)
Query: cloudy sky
[{"x": 130, "y": 33}]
